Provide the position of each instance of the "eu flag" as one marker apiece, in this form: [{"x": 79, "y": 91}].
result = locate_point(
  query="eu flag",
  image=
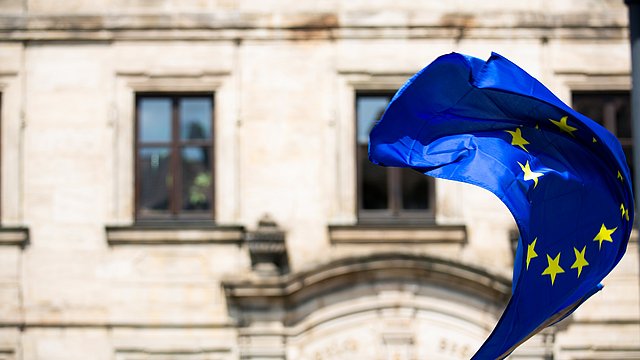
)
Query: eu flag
[{"x": 563, "y": 177}]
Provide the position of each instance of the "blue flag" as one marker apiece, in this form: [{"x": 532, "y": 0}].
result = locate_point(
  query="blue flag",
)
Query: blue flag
[{"x": 563, "y": 177}]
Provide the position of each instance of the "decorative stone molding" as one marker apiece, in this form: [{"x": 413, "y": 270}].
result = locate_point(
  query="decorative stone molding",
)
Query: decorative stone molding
[
  {"x": 229, "y": 25},
  {"x": 267, "y": 248},
  {"x": 281, "y": 298},
  {"x": 277, "y": 316},
  {"x": 174, "y": 234}
]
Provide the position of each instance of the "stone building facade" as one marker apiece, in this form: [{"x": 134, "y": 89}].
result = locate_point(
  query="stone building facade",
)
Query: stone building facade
[{"x": 183, "y": 180}]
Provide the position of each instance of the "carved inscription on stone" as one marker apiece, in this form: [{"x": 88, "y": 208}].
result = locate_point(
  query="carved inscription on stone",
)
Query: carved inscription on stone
[
  {"x": 453, "y": 348},
  {"x": 337, "y": 349}
]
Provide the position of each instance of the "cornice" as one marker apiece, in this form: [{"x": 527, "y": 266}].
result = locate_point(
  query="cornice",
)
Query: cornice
[{"x": 233, "y": 26}]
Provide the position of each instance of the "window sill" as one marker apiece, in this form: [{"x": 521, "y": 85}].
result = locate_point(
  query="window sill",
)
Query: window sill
[
  {"x": 14, "y": 236},
  {"x": 397, "y": 234},
  {"x": 174, "y": 233}
]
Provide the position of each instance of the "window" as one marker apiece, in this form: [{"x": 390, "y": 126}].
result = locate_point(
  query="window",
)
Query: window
[
  {"x": 174, "y": 156},
  {"x": 611, "y": 109},
  {"x": 387, "y": 193}
]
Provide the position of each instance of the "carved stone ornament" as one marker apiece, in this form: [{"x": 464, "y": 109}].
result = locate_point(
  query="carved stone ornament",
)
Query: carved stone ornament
[{"x": 267, "y": 248}]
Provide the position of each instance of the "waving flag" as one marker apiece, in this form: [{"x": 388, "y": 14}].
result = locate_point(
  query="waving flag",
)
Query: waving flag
[{"x": 563, "y": 177}]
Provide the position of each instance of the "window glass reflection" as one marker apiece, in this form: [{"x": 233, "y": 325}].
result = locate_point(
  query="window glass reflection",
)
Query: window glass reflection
[
  {"x": 196, "y": 178},
  {"x": 369, "y": 109},
  {"x": 154, "y": 119},
  {"x": 154, "y": 178},
  {"x": 195, "y": 118}
]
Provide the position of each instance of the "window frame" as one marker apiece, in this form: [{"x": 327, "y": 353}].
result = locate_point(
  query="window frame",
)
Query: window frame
[
  {"x": 608, "y": 117},
  {"x": 394, "y": 213},
  {"x": 174, "y": 213}
]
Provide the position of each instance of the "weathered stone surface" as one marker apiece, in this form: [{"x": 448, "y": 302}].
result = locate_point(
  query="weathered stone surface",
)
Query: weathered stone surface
[{"x": 92, "y": 284}]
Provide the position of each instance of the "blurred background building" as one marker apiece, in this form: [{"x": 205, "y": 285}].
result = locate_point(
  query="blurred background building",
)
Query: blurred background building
[{"x": 187, "y": 179}]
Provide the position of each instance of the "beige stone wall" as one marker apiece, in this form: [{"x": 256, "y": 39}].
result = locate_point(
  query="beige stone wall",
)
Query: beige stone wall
[{"x": 284, "y": 75}]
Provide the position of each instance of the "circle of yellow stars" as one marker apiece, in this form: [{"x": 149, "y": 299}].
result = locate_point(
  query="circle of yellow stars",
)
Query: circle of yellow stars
[{"x": 603, "y": 235}]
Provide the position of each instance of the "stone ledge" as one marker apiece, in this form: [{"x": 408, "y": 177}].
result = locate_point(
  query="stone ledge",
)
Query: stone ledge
[
  {"x": 61, "y": 324},
  {"x": 171, "y": 352},
  {"x": 16, "y": 236},
  {"x": 174, "y": 234},
  {"x": 384, "y": 234}
]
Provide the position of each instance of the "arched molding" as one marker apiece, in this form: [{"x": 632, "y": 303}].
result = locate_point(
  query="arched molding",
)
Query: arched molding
[
  {"x": 394, "y": 303},
  {"x": 291, "y": 298}
]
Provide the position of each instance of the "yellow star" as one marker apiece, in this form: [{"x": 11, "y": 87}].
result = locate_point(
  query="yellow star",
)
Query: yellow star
[
  {"x": 620, "y": 176},
  {"x": 530, "y": 175},
  {"x": 554, "y": 268},
  {"x": 517, "y": 139},
  {"x": 594, "y": 140},
  {"x": 604, "y": 235},
  {"x": 531, "y": 252},
  {"x": 624, "y": 211},
  {"x": 580, "y": 260},
  {"x": 562, "y": 124}
]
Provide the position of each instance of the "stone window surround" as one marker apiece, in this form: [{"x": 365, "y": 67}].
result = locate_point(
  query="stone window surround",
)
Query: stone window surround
[
  {"x": 122, "y": 118},
  {"x": 124, "y": 229},
  {"x": 11, "y": 171},
  {"x": 394, "y": 212},
  {"x": 345, "y": 227},
  {"x": 349, "y": 83},
  {"x": 12, "y": 152}
]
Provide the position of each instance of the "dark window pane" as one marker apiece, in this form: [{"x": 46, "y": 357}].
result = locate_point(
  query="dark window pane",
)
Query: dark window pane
[
  {"x": 623, "y": 116},
  {"x": 415, "y": 190},
  {"x": 196, "y": 178},
  {"x": 154, "y": 116},
  {"x": 369, "y": 109},
  {"x": 628, "y": 153},
  {"x": 373, "y": 179},
  {"x": 613, "y": 110},
  {"x": 590, "y": 106},
  {"x": 195, "y": 118},
  {"x": 374, "y": 184},
  {"x": 154, "y": 179}
]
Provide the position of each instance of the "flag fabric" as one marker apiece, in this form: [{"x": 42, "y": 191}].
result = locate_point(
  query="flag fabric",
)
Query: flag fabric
[{"x": 563, "y": 177}]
